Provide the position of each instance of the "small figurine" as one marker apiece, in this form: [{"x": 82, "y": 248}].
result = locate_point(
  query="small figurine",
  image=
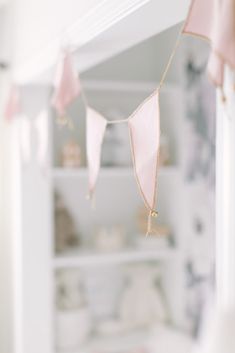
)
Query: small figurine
[
  {"x": 110, "y": 239},
  {"x": 71, "y": 155},
  {"x": 142, "y": 302},
  {"x": 72, "y": 320},
  {"x": 65, "y": 232},
  {"x": 69, "y": 290}
]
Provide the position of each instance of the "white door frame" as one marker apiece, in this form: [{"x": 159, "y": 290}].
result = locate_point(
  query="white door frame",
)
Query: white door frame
[{"x": 225, "y": 197}]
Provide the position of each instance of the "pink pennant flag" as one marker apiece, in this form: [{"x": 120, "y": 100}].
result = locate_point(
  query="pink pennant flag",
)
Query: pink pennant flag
[
  {"x": 96, "y": 125},
  {"x": 67, "y": 84},
  {"x": 215, "y": 21},
  {"x": 42, "y": 129},
  {"x": 200, "y": 19},
  {"x": 25, "y": 138},
  {"x": 13, "y": 107},
  {"x": 144, "y": 125}
]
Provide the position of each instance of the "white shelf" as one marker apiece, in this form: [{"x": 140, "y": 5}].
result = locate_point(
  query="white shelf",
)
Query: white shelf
[
  {"x": 117, "y": 343},
  {"x": 94, "y": 258},
  {"x": 107, "y": 172},
  {"x": 114, "y": 343}
]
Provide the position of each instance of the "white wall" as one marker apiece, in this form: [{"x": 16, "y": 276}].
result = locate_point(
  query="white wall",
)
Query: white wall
[
  {"x": 6, "y": 270},
  {"x": 8, "y": 180}
]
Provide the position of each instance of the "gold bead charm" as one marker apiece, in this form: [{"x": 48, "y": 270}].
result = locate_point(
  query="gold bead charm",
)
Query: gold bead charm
[{"x": 154, "y": 213}]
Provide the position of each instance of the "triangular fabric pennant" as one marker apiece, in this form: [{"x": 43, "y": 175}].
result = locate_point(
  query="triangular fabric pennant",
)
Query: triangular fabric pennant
[
  {"x": 215, "y": 21},
  {"x": 67, "y": 84},
  {"x": 95, "y": 129},
  {"x": 13, "y": 106},
  {"x": 144, "y": 125},
  {"x": 215, "y": 69},
  {"x": 26, "y": 128},
  {"x": 25, "y": 138},
  {"x": 200, "y": 19},
  {"x": 42, "y": 129}
]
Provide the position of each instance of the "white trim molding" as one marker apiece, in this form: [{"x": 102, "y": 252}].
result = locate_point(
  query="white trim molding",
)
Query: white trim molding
[{"x": 118, "y": 24}]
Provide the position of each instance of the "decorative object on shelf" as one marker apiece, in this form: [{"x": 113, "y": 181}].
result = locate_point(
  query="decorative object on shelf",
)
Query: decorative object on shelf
[
  {"x": 69, "y": 289},
  {"x": 142, "y": 302},
  {"x": 103, "y": 285},
  {"x": 110, "y": 239},
  {"x": 72, "y": 316},
  {"x": 13, "y": 104},
  {"x": 71, "y": 155},
  {"x": 67, "y": 86},
  {"x": 164, "y": 153},
  {"x": 214, "y": 20},
  {"x": 66, "y": 235}
]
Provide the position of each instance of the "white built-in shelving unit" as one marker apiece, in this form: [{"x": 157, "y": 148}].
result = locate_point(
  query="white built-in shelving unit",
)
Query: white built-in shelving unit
[
  {"x": 98, "y": 31},
  {"x": 126, "y": 256},
  {"x": 115, "y": 184}
]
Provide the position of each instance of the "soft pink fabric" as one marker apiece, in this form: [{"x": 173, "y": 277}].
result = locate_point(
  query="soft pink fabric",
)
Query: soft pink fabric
[
  {"x": 95, "y": 129},
  {"x": 25, "y": 138},
  {"x": 144, "y": 128},
  {"x": 67, "y": 84},
  {"x": 13, "y": 104},
  {"x": 27, "y": 127},
  {"x": 215, "y": 69},
  {"x": 42, "y": 128},
  {"x": 200, "y": 19},
  {"x": 215, "y": 20}
]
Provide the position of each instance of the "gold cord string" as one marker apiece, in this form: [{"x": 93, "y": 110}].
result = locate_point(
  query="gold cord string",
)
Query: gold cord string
[
  {"x": 172, "y": 55},
  {"x": 152, "y": 212}
]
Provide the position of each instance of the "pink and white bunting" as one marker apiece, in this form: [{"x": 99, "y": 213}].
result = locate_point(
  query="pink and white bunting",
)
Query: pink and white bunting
[
  {"x": 13, "y": 105},
  {"x": 95, "y": 129},
  {"x": 67, "y": 84},
  {"x": 144, "y": 127},
  {"x": 215, "y": 21},
  {"x": 39, "y": 126}
]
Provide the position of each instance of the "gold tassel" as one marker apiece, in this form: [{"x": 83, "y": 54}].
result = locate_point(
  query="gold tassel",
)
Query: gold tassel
[{"x": 152, "y": 214}]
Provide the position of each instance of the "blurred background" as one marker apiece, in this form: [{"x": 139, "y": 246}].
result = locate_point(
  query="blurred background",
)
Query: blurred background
[{"x": 77, "y": 277}]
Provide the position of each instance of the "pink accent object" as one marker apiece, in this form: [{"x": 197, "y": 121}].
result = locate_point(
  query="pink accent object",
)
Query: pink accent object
[
  {"x": 41, "y": 126},
  {"x": 13, "y": 104},
  {"x": 215, "y": 20},
  {"x": 200, "y": 18},
  {"x": 96, "y": 125},
  {"x": 67, "y": 84},
  {"x": 144, "y": 127},
  {"x": 26, "y": 128},
  {"x": 25, "y": 138}
]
